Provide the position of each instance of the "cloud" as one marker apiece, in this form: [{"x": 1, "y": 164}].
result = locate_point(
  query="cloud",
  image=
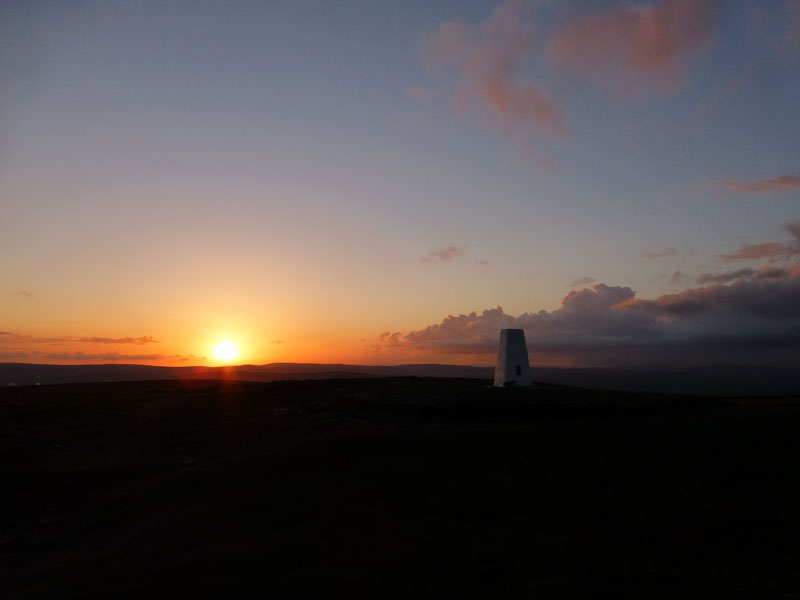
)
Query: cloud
[
  {"x": 81, "y": 356},
  {"x": 489, "y": 59},
  {"x": 677, "y": 276},
  {"x": 765, "y": 272},
  {"x": 781, "y": 183},
  {"x": 24, "y": 294},
  {"x": 482, "y": 262},
  {"x": 791, "y": 40},
  {"x": 755, "y": 319},
  {"x": 725, "y": 277},
  {"x": 420, "y": 93},
  {"x": 139, "y": 341},
  {"x": 772, "y": 300},
  {"x": 390, "y": 339},
  {"x": 636, "y": 44},
  {"x": 71, "y": 339},
  {"x": 769, "y": 250},
  {"x": 584, "y": 316},
  {"x": 660, "y": 254},
  {"x": 581, "y": 281},
  {"x": 445, "y": 254},
  {"x": 548, "y": 163}
]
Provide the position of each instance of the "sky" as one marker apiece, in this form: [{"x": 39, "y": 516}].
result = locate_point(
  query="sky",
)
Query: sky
[{"x": 393, "y": 182}]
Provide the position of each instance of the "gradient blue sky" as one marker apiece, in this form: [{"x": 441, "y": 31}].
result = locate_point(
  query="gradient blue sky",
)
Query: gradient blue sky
[{"x": 300, "y": 176}]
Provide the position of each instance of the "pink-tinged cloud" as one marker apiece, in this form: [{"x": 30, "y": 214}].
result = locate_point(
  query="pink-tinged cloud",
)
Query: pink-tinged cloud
[
  {"x": 660, "y": 253},
  {"x": 791, "y": 41},
  {"x": 420, "y": 94},
  {"x": 548, "y": 163},
  {"x": 765, "y": 251},
  {"x": 636, "y": 44},
  {"x": 489, "y": 59},
  {"x": 445, "y": 254},
  {"x": 782, "y": 183},
  {"x": 769, "y": 250}
]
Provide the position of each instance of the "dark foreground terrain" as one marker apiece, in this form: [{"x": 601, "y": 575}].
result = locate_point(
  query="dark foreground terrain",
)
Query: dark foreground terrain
[{"x": 395, "y": 488}]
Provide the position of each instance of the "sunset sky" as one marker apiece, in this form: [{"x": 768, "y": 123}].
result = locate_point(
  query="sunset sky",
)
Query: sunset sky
[{"x": 369, "y": 181}]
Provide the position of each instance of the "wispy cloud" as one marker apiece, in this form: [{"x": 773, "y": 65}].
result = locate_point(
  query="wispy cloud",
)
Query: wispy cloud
[
  {"x": 660, "y": 253},
  {"x": 445, "y": 254},
  {"x": 765, "y": 272},
  {"x": 139, "y": 341},
  {"x": 725, "y": 277},
  {"x": 581, "y": 281},
  {"x": 780, "y": 183},
  {"x": 420, "y": 93},
  {"x": 482, "y": 262},
  {"x": 490, "y": 59},
  {"x": 677, "y": 277},
  {"x": 71, "y": 339},
  {"x": 24, "y": 294},
  {"x": 769, "y": 250},
  {"x": 636, "y": 45},
  {"x": 791, "y": 40},
  {"x": 82, "y": 356}
]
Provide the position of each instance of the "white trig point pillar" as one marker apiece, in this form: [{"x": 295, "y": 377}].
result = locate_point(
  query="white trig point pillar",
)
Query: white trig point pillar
[{"x": 513, "y": 368}]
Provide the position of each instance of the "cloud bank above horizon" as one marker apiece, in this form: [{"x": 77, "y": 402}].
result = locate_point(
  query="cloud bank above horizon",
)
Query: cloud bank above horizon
[{"x": 745, "y": 315}]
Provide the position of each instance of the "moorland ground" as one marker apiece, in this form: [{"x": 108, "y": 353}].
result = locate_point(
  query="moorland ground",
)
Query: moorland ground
[{"x": 395, "y": 487}]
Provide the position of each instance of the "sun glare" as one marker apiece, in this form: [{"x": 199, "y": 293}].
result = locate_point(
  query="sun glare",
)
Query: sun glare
[{"x": 226, "y": 351}]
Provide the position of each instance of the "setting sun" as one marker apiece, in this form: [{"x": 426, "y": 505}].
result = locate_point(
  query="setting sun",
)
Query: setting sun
[{"x": 226, "y": 351}]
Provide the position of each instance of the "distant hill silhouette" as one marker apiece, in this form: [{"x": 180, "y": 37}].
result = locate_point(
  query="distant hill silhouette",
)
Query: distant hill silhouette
[{"x": 714, "y": 380}]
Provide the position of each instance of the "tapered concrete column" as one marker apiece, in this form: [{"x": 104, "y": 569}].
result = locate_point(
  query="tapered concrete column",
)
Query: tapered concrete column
[{"x": 513, "y": 368}]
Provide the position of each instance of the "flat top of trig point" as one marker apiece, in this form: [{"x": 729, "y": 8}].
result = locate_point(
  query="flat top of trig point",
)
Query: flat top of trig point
[{"x": 513, "y": 332}]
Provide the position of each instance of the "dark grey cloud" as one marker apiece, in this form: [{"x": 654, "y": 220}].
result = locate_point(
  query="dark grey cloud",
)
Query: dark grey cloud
[
  {"x": 677, "y": 277},
  {"x": 725, "y": 277},
  {"x": 766, "y": 272}
]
